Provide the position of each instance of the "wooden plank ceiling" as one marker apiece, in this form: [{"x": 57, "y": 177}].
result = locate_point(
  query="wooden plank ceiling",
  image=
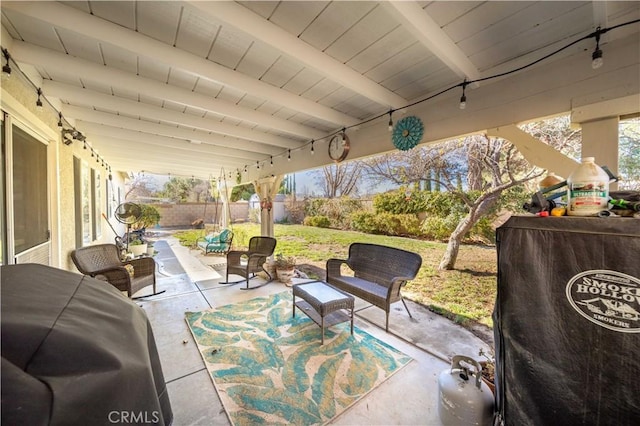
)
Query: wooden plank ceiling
[{"x": 195, "y": 88}]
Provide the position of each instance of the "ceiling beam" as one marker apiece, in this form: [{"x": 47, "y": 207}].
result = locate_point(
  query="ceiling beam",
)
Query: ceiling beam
[
  {"x": 90, "y": 115},
  {"x": 116, "y": 151},
  {"x": 253, "y": 24},
  {"x": 95, "y": 28},
  {"x": 89, "y": 97},
  {"x": 416, "y": 20},
  {"x": 159, "y": 142},
  {"x": 92, "y": 72}
]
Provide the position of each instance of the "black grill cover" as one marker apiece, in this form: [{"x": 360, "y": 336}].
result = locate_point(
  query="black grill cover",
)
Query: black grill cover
[
  {"x": 76, "y": 352},
  {"x": 567, "y": 321}
]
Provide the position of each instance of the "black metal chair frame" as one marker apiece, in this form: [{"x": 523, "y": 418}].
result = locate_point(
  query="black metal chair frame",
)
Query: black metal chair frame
[{"x": 247, "y": 263}]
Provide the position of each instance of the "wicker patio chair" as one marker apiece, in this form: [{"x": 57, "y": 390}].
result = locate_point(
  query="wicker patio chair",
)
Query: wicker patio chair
[
  {"x": 102, "y": 261},
  {"x": 247, "y": 263}
]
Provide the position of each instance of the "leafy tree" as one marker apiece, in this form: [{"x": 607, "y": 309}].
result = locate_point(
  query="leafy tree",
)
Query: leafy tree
[
  {"x": 488, "y": 166},
  {"x": 629, "y": 148},
  {"x": 242, "y": 192},
  {"x": 177, "y": 189},
  {"x": 288, "y": 185}
]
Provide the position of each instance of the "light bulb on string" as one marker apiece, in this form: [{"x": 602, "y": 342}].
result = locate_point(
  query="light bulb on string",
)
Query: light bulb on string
[
  {"x": 289, "y": 156},
  {"x": 344, "y": 135},
  {"x": 39, "y": 100},
  {"x": 596, "y": 57},
  {"x": 390, "y": 120},
  {"x": 6, "y": 68},
  {"x": 60, "y": 119},
  {"x": 271, "y": 160},
  {"x": 312, "y": 150},
  {"x": 463, "y": 98},
  {"x": 257, "y": 165}
]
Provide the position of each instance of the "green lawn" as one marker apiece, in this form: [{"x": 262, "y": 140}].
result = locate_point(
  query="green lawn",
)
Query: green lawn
[{"x": 465, "y": 295}]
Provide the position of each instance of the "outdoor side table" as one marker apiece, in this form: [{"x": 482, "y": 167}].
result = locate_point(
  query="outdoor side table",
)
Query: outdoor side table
[{"x": 324, "y": 304}]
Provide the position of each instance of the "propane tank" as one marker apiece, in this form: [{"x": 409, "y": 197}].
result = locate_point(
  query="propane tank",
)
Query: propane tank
[{"x": 464, "y": 399}]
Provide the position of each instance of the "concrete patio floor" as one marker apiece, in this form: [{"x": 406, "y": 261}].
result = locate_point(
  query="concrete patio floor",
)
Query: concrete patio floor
[{"x": 409, "y": 397}]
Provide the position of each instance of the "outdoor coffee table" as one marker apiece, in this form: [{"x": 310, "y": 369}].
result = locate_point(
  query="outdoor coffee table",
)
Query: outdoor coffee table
[{"x": 324, "y": 304}]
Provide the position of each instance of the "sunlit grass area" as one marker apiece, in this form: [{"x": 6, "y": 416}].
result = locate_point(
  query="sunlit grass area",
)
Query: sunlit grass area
[{"x": 465, "y": 295}]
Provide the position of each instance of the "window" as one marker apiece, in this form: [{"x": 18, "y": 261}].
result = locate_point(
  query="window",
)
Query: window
[
  {"x": 95, "y": 203},
  {"x": 3, "y": 221},
  {"x": 30, "y": 191},
  {"x": 82, "y": 193}
]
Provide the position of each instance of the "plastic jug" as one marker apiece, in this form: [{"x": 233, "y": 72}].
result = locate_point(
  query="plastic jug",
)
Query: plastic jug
[{"x": 588, "y": 189}]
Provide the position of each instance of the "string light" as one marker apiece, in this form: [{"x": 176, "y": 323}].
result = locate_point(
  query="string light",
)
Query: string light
[
  {"x": 597, "y": 62},
  {"x": 258, "y": 165},
  {"x": 596, "y": 57},
  {"x": 463, "y": 98},
  {"x": 245, "y": 168},
  {"x": 39, "y": 100},
  {"x": 271, "y": 160},
  {"x": 312, "y": 150},
  {"x": 85, "y": 145}
]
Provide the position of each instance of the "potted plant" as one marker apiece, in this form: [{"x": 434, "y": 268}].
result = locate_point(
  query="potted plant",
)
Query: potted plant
[
  {"x": 488, "y": 370},
  {"x": 285, "y": 268},
  {"x": 137, "y": 247}
]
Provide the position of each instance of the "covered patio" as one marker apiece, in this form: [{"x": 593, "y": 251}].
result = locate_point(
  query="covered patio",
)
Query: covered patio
[{"x": 248, "y": 92}]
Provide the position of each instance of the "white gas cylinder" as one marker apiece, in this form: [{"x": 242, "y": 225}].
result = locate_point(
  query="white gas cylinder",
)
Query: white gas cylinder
[
  {"x": 588, "y": 189},
  {"x": 464, "y": 399}
]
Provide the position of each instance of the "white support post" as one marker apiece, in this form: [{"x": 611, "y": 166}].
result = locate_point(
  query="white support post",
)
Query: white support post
[{"x": 600, "y": 140}]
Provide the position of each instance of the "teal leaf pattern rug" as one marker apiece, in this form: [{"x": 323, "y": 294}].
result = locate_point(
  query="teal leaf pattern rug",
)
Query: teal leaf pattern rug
[{"x": 270, "y": 368}]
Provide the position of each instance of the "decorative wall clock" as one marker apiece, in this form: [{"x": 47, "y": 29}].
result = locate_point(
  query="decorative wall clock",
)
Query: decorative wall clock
[
  {"x": 407, "y": 133},
  {"x": 338, "y": 149}
]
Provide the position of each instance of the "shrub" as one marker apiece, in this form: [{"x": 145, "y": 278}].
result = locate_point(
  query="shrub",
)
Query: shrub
[
  {"x": 150, "y": 217},
  {"x": 439, "y": 228},
  {"x": 400, "y": 202},
  {"x": 319, "y": 221},
  {"x": 337, "y": 210},
  {"x": 386, "y": 223}
]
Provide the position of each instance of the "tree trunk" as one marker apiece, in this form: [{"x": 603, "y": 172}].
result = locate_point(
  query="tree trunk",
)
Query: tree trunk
[
  {"x": 477, "y": 211},
  {"x": 453, "y": 247}
]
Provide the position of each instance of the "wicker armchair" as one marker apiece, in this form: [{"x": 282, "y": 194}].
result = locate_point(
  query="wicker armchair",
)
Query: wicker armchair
[
  {"x": 102, "y": 261},
  {"x": 247, "y": 262}
]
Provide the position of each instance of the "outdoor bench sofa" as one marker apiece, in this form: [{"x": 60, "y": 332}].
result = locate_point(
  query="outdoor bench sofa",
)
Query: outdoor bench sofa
[
  {"x": 216, "y": 243},
  {"x": 379, "y": 272}
]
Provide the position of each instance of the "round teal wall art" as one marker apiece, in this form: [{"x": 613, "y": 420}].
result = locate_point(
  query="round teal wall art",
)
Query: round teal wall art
[{"x": 407, "y": 133}]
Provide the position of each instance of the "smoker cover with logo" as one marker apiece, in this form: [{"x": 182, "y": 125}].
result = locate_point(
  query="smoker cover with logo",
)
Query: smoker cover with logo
[{"x": 567, "y": 321}]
